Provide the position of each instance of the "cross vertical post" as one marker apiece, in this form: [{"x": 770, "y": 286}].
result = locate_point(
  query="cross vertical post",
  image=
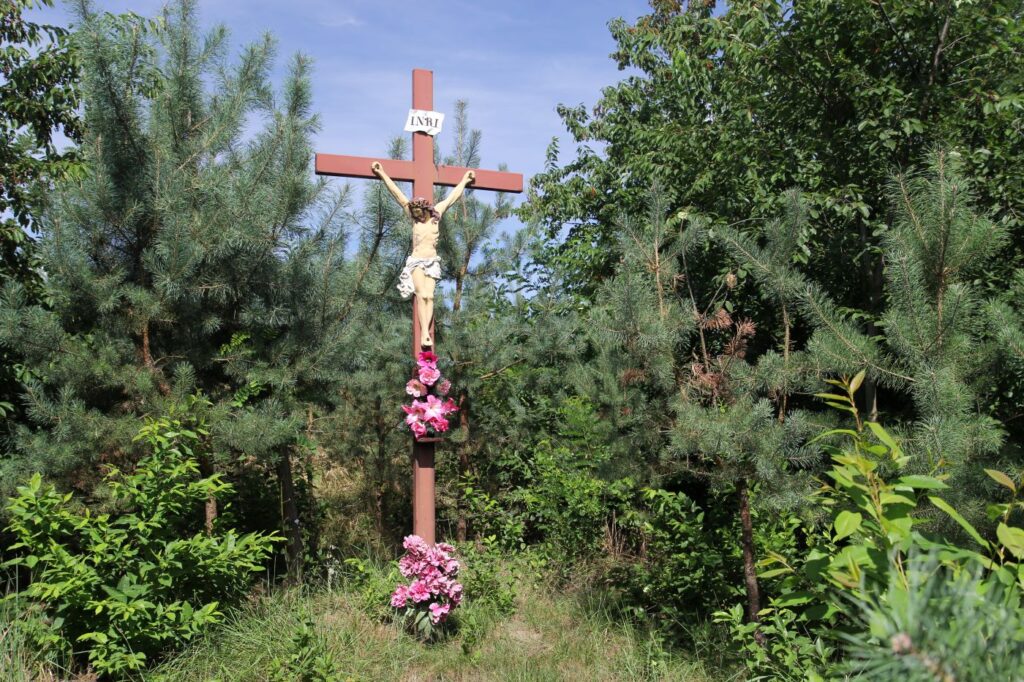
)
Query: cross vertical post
[
  {"x": 424, "y": 175},
  {"x": 423, "y": 472}
]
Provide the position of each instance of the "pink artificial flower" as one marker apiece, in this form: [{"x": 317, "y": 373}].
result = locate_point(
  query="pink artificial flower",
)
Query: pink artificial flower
[
  {"x": 444, "y": 387},
  {"x": 419, "y": 592},
  {"x": 414, "y": 544},
  {"x": 426, "y": 358},
  {"x": 438, "y": 612},
  {"x": 411, "y": 565},
  {"x": 429, "y": 374},
  {"x": 450, "y": 407},
  {"x": 400, "y": 597},
  {"x": 416, "y": 409},
  {"x": 439, "y": 425},
  {"x": 415, "y": 388},
  {"x": 433, "y": 409},
  {"x": 435, "y": 557},
  {"x": 445, "y": 547},
  {"x": 418, "y": 429}
]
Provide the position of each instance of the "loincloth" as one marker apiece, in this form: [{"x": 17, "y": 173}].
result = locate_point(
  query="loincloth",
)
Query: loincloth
[{"x": 431, "y": 267}]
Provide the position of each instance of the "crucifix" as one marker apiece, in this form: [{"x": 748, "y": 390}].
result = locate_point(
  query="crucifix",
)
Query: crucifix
[{"x": 421, "y": 269}]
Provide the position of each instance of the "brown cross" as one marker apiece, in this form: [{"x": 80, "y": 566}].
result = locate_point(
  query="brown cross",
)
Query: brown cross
[{"x": 423, "y": 174}]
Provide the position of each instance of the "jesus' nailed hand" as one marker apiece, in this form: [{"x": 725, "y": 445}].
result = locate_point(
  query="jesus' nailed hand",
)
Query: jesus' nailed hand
[{"x": 423, "y": 267}]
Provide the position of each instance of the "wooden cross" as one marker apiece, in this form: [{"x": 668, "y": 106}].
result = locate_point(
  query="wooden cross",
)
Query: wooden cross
[{"x": 424, "y": 175}]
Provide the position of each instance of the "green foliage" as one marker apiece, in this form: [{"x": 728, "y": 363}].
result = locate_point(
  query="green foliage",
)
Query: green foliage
[
  {"x": 774, "y": 648},
  {"x": 307, "y": 661},
  {"x": 488, "y": 576},
  {"x": 566, "y": 503},
  {"x": 127, "y": 586},
  {"x": 937, "y": 353},
  {"x": 875, "y": 578},
  {"x": 375, "y": 584},
  {"x": 38, "y": 101},
  {"x": 730, "y": 105},
  {"x": 981, "y": 637},
  {"x": 673, "y": 562}
]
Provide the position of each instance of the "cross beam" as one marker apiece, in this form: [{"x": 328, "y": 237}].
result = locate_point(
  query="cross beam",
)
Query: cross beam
[
  {"x": 421, "y": 171},
  {"x": 423, "y": 174}
]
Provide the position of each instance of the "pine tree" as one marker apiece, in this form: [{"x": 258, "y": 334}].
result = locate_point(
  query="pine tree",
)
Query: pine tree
[
  {"x": 477, "y": 342},
  {"x": 941, "y": 342},
  {"x": 195, "y": 255},
  {"x": 687, "y": 387}
]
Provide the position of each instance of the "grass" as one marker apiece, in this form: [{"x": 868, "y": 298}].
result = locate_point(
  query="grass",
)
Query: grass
[
  {"x": 19, "y": 659},
  {"x": 512, "y": 626},
  {"x": 548, "y": 637}
]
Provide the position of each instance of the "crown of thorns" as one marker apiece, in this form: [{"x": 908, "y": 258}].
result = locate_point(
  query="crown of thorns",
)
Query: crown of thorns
[{"x": 424, "y": 205}]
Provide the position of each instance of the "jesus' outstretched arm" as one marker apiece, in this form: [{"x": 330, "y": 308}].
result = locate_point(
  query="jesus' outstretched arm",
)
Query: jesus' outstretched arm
[
  {"x": 456, "y": 192},
  {"x": 378, "y": 170}
]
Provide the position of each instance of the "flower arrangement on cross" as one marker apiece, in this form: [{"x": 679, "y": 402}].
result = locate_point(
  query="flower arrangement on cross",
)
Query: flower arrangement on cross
[{"x": 427, "y": 415}]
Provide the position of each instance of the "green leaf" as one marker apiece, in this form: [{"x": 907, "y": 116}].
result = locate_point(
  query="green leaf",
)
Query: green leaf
[
  {"x": 1002, "y": 479},
  {"x": 955, "y": 515},
  {"x": 793, "y": 599},
  {"x": 847, "y": 523},
  {"x": 1012, "y": 539},
  {"x": 857, "y": 381},
  {"x": 921, "y": 482},
  {"x": 882, "y": 435},
  {"x": 774, "y": 572}
]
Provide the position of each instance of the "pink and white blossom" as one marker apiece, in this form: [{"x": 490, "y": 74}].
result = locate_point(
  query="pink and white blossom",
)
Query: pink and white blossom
[{"x": 433, "y": 590}]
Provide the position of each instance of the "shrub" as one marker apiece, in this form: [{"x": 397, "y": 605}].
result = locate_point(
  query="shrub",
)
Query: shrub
[
  {"x": 308, "y": 659},
  {"x": 488, "y": 576},
  {"x": 875, "y": 581},
  {"x": 677, "y": 561},
  {"x": 131, "y": 585}
]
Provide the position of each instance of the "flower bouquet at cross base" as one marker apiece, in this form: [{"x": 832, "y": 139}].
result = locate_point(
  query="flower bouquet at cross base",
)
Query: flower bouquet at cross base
[
  {"x": 427, "y": 416},
  {"x": 433, "y": 592}
]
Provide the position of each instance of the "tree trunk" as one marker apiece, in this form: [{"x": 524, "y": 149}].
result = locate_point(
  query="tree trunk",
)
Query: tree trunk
[
  {"x": 872, "y": 280},
  {"x": 749, "y": 560},
  {"x": 206, "y": 470},
  {"x": 462, "y": 524},
  {"x": 146, "y": 355},
  {"x": 380, "y": 479},
  {"x": 313, "y": 537},
  {"x": 290, "y": 515}
]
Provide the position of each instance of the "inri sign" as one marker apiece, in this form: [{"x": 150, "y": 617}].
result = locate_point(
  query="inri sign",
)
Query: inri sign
[{"x": 428, "y": 122}]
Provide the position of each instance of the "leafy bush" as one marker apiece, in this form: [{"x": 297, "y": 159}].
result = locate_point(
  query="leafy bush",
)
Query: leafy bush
[
  {"x": 875, "y": 580},
  {"x": 131, "y": 585},
  {"x": 565, "y": 502},
  {"x": 308, "y": 659},
  {"x": 776, "y": 648},
  {"x": 374, "y": 583},
  {"x": 679, "y": 564},
  {"x": 488, "y": 576}
]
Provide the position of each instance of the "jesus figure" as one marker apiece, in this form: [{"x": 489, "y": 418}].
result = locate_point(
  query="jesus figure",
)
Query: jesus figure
[{"x": 423, "y": 267}]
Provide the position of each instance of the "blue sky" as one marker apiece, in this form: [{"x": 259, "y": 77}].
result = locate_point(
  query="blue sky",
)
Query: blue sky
[{"x": 513, "y": 61}]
